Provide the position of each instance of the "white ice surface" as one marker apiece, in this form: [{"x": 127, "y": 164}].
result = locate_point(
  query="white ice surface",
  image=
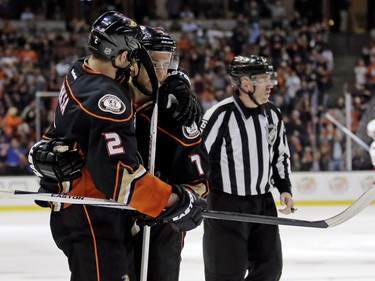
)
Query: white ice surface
[{"x": 345, "y": 252}]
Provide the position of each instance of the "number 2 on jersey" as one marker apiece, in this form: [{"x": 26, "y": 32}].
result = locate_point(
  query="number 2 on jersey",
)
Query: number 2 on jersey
[{"x": 114, "y": 144}]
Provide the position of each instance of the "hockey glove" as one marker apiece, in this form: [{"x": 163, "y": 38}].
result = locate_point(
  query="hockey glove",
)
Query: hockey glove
[
  {"x": 55, "y": 160},
  {"x": 177, "y": 99},
  {"x": 48, "y": 185},
  {"x": 184, "y": 215}
]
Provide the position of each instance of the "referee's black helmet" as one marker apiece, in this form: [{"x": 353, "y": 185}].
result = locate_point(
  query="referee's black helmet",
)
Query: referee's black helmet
[
  {"x": 156, "y": 39},
  {"x": 113, "y": 33},
  {"x": 248, "y": 66}
]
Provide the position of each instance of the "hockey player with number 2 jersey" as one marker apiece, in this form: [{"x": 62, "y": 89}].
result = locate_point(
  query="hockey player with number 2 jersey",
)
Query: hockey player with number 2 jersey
[{"x": 97, "y": 115}]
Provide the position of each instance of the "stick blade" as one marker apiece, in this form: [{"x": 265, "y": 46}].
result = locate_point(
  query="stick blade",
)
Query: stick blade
[
  {"x": 359, "y": 205},
  {"x": 6, "y": 193}
]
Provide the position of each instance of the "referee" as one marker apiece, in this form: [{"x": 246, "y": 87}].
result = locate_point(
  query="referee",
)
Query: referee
[{"x": 249, "y": 157}]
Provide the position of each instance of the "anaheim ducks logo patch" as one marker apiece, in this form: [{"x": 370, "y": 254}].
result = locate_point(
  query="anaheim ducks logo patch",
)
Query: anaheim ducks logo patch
[
  {"x": 271, "y": 133},
  {"x": 191, "y": 132},
  {"x": 112, "y": 104}
]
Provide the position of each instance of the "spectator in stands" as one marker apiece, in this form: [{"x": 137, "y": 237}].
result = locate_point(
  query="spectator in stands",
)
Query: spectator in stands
[
  {"x": 252, "y": 9},
  {"x": 254, "y": 31},
  {"x": 325, "y": 152},
  {"x": 296, "y": 21},
  {"x": 240, "y": 34},
  {"x": 343, "y": 7},
  {"x": 360, "y": 72},
  {"x": 27, "y": 15},
  {"x": 187, "y": 13},
  {"x": 360, "y": 160},
  {"x": 371, "y": 74},
  {"x": 207, "y": 99},
  {"x": 197, "y": 59},
  {"x": 316, "y": 161},
  {"x": 174, "y": 8},
  {"x": 293, "y": 84},
  {"x": 26, "y": 54},
  {"x": 189, "y": 24},
  {"x": 307, "y": 159},
  {"x": 278, "y": 13},
  {"x": 4, "y": 145},
  {"x": 336, "y": 162},
  {"x": 215, "y": 35},
  {"x": 11, "y": 121},
  {"x": 15, "y": 162}
]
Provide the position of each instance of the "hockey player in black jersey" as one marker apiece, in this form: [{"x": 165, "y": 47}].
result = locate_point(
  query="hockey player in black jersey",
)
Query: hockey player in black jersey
[
  {"x": 249, "y": 156},
  {"x": 180, "y": 154},
  {"x": 96, "y": 116}
]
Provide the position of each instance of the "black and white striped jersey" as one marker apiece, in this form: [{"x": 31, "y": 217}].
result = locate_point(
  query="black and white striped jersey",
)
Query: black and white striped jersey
[{"x": 248, "y": 149}]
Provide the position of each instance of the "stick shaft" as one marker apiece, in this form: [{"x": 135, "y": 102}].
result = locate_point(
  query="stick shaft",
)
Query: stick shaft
[
  {"x": 347, "y": 132},
  {"x": 151, "y": 163}
]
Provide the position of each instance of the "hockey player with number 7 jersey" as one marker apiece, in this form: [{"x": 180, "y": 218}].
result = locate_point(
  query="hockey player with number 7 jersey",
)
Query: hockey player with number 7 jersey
[{"x": 181, "y": 158}]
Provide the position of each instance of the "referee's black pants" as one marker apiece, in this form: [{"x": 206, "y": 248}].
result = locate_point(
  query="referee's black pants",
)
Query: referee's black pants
[{"x": 236, "y": 251}]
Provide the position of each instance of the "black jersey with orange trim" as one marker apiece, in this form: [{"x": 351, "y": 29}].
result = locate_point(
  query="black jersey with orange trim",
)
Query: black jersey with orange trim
[
  {"x": 95, "y": 112},
  {"x": 181, "y": 157}
]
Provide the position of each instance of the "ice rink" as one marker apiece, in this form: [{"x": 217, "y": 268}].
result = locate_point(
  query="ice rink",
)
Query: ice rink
[{"x": 345, "y": 252}]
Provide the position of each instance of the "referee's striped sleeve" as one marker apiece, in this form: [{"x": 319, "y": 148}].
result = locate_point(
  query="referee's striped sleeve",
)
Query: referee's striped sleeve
[
  {"x": 282, "y": 169},
  {"x": 210, "y": 125}
]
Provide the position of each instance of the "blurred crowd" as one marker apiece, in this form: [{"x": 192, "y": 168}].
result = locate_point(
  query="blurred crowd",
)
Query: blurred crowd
[{"x": 33, "y": 60}]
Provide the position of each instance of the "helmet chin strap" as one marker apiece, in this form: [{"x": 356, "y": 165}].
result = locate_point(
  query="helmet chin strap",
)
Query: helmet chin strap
[{"x": 250, "y": 94}]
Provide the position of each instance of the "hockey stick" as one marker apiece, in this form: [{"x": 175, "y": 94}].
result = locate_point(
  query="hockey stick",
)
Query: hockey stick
[
  {"x": 356, "y": 207},
  {"x": 347, "y": 132},
  {"x": 146, "y": 60}
]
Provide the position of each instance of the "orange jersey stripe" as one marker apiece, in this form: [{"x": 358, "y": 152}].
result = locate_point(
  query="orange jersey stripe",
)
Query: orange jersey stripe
[
  {"x": 172, "y": 136},
  {"x": 93, "y": 114},
  {"x": 94, "y": 244}
]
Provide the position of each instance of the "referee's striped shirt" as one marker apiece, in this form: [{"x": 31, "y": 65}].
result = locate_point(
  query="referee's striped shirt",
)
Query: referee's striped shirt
[{"x": 248, "y": 150}]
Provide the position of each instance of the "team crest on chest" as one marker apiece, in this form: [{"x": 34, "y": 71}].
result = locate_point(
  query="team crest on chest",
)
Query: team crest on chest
[
  {"x": 112, "y": 104},
  {"x": 191, "y": 132},
  {"x": 271, "y": 133}
]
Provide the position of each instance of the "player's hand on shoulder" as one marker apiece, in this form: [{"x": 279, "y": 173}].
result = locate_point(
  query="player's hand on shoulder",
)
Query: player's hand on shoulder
[
  {"x": 178, "y": 101},
  {"x": 55, "y": 160},
  {"x": 183, "y": 215}
]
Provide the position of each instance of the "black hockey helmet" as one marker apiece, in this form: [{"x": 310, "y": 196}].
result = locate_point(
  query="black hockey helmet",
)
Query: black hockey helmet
[
  {"x": 156, "y": 39},
  {"x": 250, "y": 66},
  {"x": 112, "y": 33}
]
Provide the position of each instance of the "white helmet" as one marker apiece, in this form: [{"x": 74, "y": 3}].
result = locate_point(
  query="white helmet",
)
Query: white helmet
[{"x": 371, "y": 129}]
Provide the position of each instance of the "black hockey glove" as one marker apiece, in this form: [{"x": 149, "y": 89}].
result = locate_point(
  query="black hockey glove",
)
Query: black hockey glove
[
  {"x": 48, "y": 185},
  {"x": 177, "y": 99},
  {"x": 184, "y": 215},
  {"x": 55, "y": 160}
]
